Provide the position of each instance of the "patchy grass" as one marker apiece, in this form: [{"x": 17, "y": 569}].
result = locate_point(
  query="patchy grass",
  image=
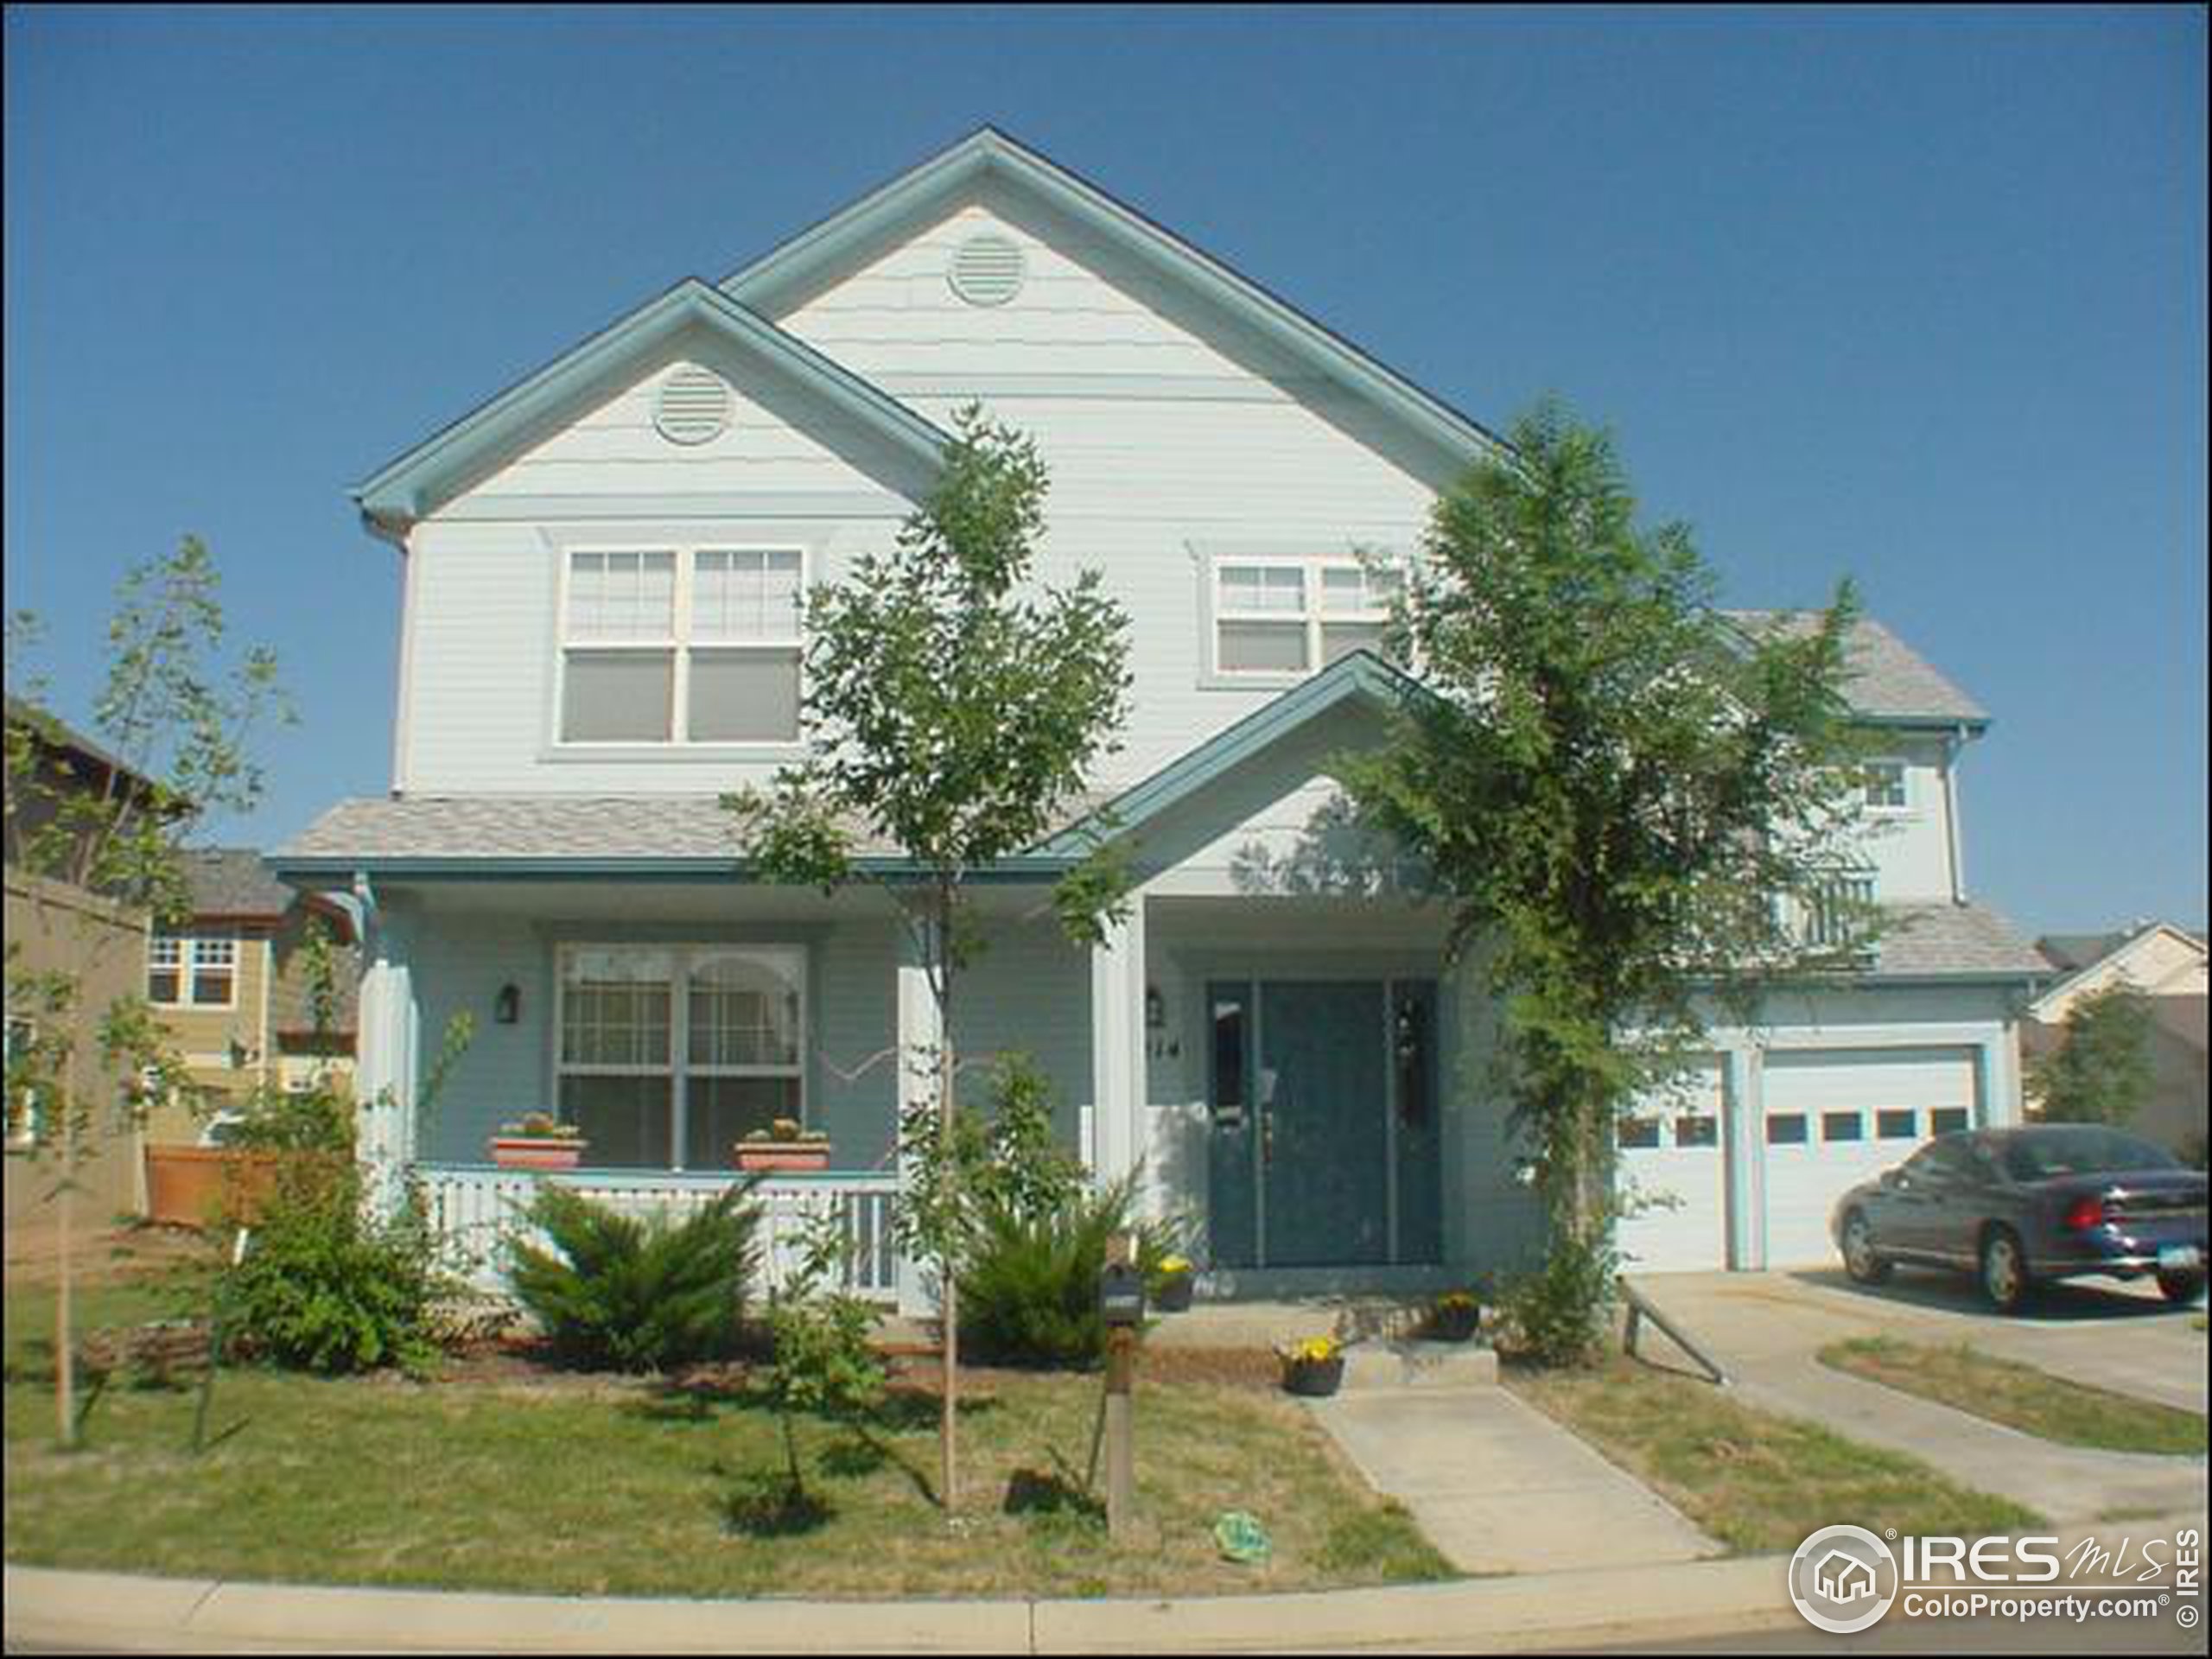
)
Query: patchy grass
[
  {"x": 1756, "y": 1482},
  {"x": 2021, "y": 1396},
  {"x": 615, "y": 1486}
]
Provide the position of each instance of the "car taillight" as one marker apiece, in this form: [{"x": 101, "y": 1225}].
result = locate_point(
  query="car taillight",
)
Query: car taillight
[{"x": 2085, "y": 1214}]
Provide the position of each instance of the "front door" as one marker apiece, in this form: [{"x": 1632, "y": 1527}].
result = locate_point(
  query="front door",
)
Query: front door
[{"x": 1313, "y": 1155}]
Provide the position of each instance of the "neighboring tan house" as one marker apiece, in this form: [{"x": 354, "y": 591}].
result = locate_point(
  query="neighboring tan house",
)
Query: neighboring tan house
[
  {"x": 231, "y": 987},
  {"x": 2166, "y": 963},
  {"x": 54, "y": 925},
  {"x": 600, "y": 629}
]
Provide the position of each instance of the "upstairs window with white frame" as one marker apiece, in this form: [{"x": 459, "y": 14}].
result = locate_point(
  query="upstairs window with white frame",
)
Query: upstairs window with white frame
[
  {"x": 1884, "y": 784},
  {"x": 200, "y": 973},
  {"x": 686, "y": 645},
  {"x": 1281, "y": 617}
]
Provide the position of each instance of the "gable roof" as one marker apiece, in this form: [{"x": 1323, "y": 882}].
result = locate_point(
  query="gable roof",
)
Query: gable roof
[
  {"x": 773, "y": 283},
  {"x": 411, "y": 484},
  {"x": 2076, "y": 955},
  {"x": 1359, "y": 675},
  {"x": 233, "y": 883},
  {"x": 1891, "y": 683}
]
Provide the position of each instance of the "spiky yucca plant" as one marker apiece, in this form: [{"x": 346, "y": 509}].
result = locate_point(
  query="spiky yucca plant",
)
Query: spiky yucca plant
[
  {"x": 1030, "y": 1294},
  {"x": 630, "y": 1294}
]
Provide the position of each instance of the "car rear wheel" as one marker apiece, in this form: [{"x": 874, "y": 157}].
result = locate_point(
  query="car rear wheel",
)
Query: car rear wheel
[
  {"x": 1861, "y": 1259},
  {"x": 2004, "y": 1270},
  {"x": 2182, "y": 1286}
]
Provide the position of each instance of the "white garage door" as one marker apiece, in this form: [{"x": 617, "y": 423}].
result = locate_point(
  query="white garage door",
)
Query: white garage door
[
  {"x": 1672, "y": 1147},
  {"x": 1835, "y": 1117}
]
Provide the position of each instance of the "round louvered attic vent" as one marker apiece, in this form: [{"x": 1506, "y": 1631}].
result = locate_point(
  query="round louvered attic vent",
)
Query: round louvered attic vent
[
  {"x": 693, "y": 406},
  {"x": 987, "y": 269}
]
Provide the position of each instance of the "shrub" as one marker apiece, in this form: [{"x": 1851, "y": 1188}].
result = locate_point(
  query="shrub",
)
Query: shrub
[
  {"x": 1560, "y": 1314},
  {"x": 619, "y": 1292},
  {"x": 1029, "y": 1292},
  {"x": 325, "y": 1287}
]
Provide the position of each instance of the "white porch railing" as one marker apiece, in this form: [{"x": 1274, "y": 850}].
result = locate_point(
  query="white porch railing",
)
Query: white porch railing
[{"x": 474, "y": 1207}]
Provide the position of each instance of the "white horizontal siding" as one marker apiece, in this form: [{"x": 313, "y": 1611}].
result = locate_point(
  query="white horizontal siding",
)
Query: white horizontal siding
[{"x": 615, "y": 448}]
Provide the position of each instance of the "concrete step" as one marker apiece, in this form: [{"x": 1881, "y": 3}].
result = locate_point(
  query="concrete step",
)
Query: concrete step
[{"x": 1374, "y": 1366}]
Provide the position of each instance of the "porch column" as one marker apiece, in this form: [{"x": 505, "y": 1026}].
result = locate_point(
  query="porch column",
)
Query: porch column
[
  {"x": 385, "y": 1061},
  {"x": 1118, "y": 1119},
  {"x": 1997, "y": 1083},
  {"x": 920, "y": 1036}
]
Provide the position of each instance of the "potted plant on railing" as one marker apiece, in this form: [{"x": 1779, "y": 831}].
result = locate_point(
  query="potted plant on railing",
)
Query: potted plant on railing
[
  {"x": 783, "y": 1146},
  {"x": 1172, "y": 1279},
  {"x": 539, "y": 1140},
  {"x": 1314, "y": 1367},
  {"x": 1455, "y": 1317}
]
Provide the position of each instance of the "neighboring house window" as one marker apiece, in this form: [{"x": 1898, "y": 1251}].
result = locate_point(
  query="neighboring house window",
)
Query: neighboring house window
[
  {"x": 1885, "y": 785},
  {"x": 1288, "y": 617},
  {"x": 23, "y": 1099},
  {"x": 214, "y": 972},
  {"x": 165, "y": 971},
  {"x": 194, "y": 973},
  {"x": 694, "y": 644},
  {"x": 668, "y": 1055}
]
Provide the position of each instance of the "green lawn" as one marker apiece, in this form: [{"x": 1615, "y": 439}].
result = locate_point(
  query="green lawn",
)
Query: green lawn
[
  {"x": 613, "y": 1486},
  {"x": 2021, "y": 1396},
  {"x": 1756, "y": 1482}
]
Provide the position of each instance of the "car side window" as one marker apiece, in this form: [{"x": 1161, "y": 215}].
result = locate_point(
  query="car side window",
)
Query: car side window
[{"x": 1945, "y": 1163}]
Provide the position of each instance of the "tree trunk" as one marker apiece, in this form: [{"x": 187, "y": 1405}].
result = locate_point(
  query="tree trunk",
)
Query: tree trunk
[
  {"x": 64, "y": 1349},
  {"x": 949, "y": 1430}
]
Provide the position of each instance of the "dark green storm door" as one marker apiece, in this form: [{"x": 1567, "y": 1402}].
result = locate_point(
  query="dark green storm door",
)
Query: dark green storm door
[{"x": 1324, "y": 1144}]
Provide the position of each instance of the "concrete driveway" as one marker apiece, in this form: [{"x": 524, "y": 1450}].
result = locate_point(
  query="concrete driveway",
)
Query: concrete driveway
[{"x": 1765, "y": 1328}]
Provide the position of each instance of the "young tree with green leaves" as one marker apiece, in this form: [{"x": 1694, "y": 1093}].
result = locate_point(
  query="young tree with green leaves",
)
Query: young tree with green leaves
[
  {"x": 1613, "y": 787},
  {"x": 179, "y": 714},
  {"x": 953, "y": 708},
  {"x": 2102, "y": 1072}
]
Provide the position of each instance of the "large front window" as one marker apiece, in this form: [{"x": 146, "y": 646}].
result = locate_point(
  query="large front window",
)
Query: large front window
[
  {"x": 1273, "y": 618},
  {"x": 669, "y": 1055},
  {"x": 689, "y": 644}
]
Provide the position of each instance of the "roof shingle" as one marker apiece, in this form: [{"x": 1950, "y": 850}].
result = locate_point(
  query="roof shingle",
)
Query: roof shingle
[{"x": 1890, "y": 680}]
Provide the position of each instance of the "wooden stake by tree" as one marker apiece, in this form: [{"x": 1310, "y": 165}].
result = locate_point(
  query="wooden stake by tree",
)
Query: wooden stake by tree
[
  {"x": 178, "y": 725},
  {"x": 956, "y": 713}
]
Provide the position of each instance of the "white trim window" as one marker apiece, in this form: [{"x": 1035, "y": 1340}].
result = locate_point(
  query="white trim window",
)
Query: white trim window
[
  {"x": 1277, "y": 618},
  {"x": 23, "y": 1130},
  {"x": 665, "y": 1055},
  {"x": 680, "y": 646},
  {"x": 191, "y": 973},
  {"x": 1885, "y": 786}
]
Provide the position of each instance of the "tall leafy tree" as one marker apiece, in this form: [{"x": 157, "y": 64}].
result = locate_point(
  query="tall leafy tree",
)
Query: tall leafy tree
[
  {"x": 1619, "y": 792},
  {"x": 2102, "y": 1072},
  {"x": 953, "y": 708},
  {"x": 179, "y": 712}
]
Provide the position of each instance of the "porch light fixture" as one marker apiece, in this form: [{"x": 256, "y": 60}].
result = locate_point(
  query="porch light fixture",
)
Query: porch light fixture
[
  {"x": 1155, "y": 1009},
  {"x": 506, "y": 1008}
]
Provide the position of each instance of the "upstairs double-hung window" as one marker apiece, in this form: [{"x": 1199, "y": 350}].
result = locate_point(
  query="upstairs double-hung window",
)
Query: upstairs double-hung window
[
  {"x": 689, "y": 644},
  {"x": 1273, "y": 618}
]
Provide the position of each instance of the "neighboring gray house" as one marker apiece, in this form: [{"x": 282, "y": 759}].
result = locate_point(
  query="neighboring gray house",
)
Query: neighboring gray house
[{"x": 600, "y": 631}]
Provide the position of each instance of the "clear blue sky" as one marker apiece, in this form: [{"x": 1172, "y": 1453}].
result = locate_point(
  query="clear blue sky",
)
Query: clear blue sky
[{"x": 1917, "y": 297}]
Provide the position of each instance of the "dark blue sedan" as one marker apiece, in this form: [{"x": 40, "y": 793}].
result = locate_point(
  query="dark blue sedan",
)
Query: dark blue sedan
[{"x": 2021, "y": 1207}]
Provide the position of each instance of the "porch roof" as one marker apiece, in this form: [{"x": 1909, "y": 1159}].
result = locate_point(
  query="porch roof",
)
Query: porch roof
[{"x": 554, "y": 837}]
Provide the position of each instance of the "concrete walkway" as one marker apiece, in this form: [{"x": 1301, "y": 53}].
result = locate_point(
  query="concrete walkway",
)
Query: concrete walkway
[
  {"x": 1500, "y": 1488},
  {"x": 1767, "y": 1329}
]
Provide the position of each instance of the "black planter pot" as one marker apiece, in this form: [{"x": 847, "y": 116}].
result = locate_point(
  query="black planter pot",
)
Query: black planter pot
[
  {"x": 1454, "y": 1324},
  {"x": 1171, "y": 1294},
  {"x": 1314, "y": 1378}
]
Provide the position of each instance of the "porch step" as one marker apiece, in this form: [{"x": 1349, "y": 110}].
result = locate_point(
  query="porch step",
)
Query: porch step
[{"x": 1373, "y": 1367}]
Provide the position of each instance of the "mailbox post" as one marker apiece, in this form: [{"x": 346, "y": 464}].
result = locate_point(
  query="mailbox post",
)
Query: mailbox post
[{"x": 1120, "y": 1303}]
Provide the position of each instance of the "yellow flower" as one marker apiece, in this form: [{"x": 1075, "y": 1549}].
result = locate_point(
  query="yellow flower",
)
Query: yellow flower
[
  {"x": 1314, "y": 1350},
  {"x": 1173, "y": 1264}
]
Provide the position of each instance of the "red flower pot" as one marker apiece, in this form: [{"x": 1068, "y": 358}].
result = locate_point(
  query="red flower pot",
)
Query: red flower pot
[
  {"x": 535, "y": 1152},
  {"x": 783, "y": 1154}
]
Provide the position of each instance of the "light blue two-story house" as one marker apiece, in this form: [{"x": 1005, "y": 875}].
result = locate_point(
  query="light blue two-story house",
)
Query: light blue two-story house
[{"x": 601, "y": 633}]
